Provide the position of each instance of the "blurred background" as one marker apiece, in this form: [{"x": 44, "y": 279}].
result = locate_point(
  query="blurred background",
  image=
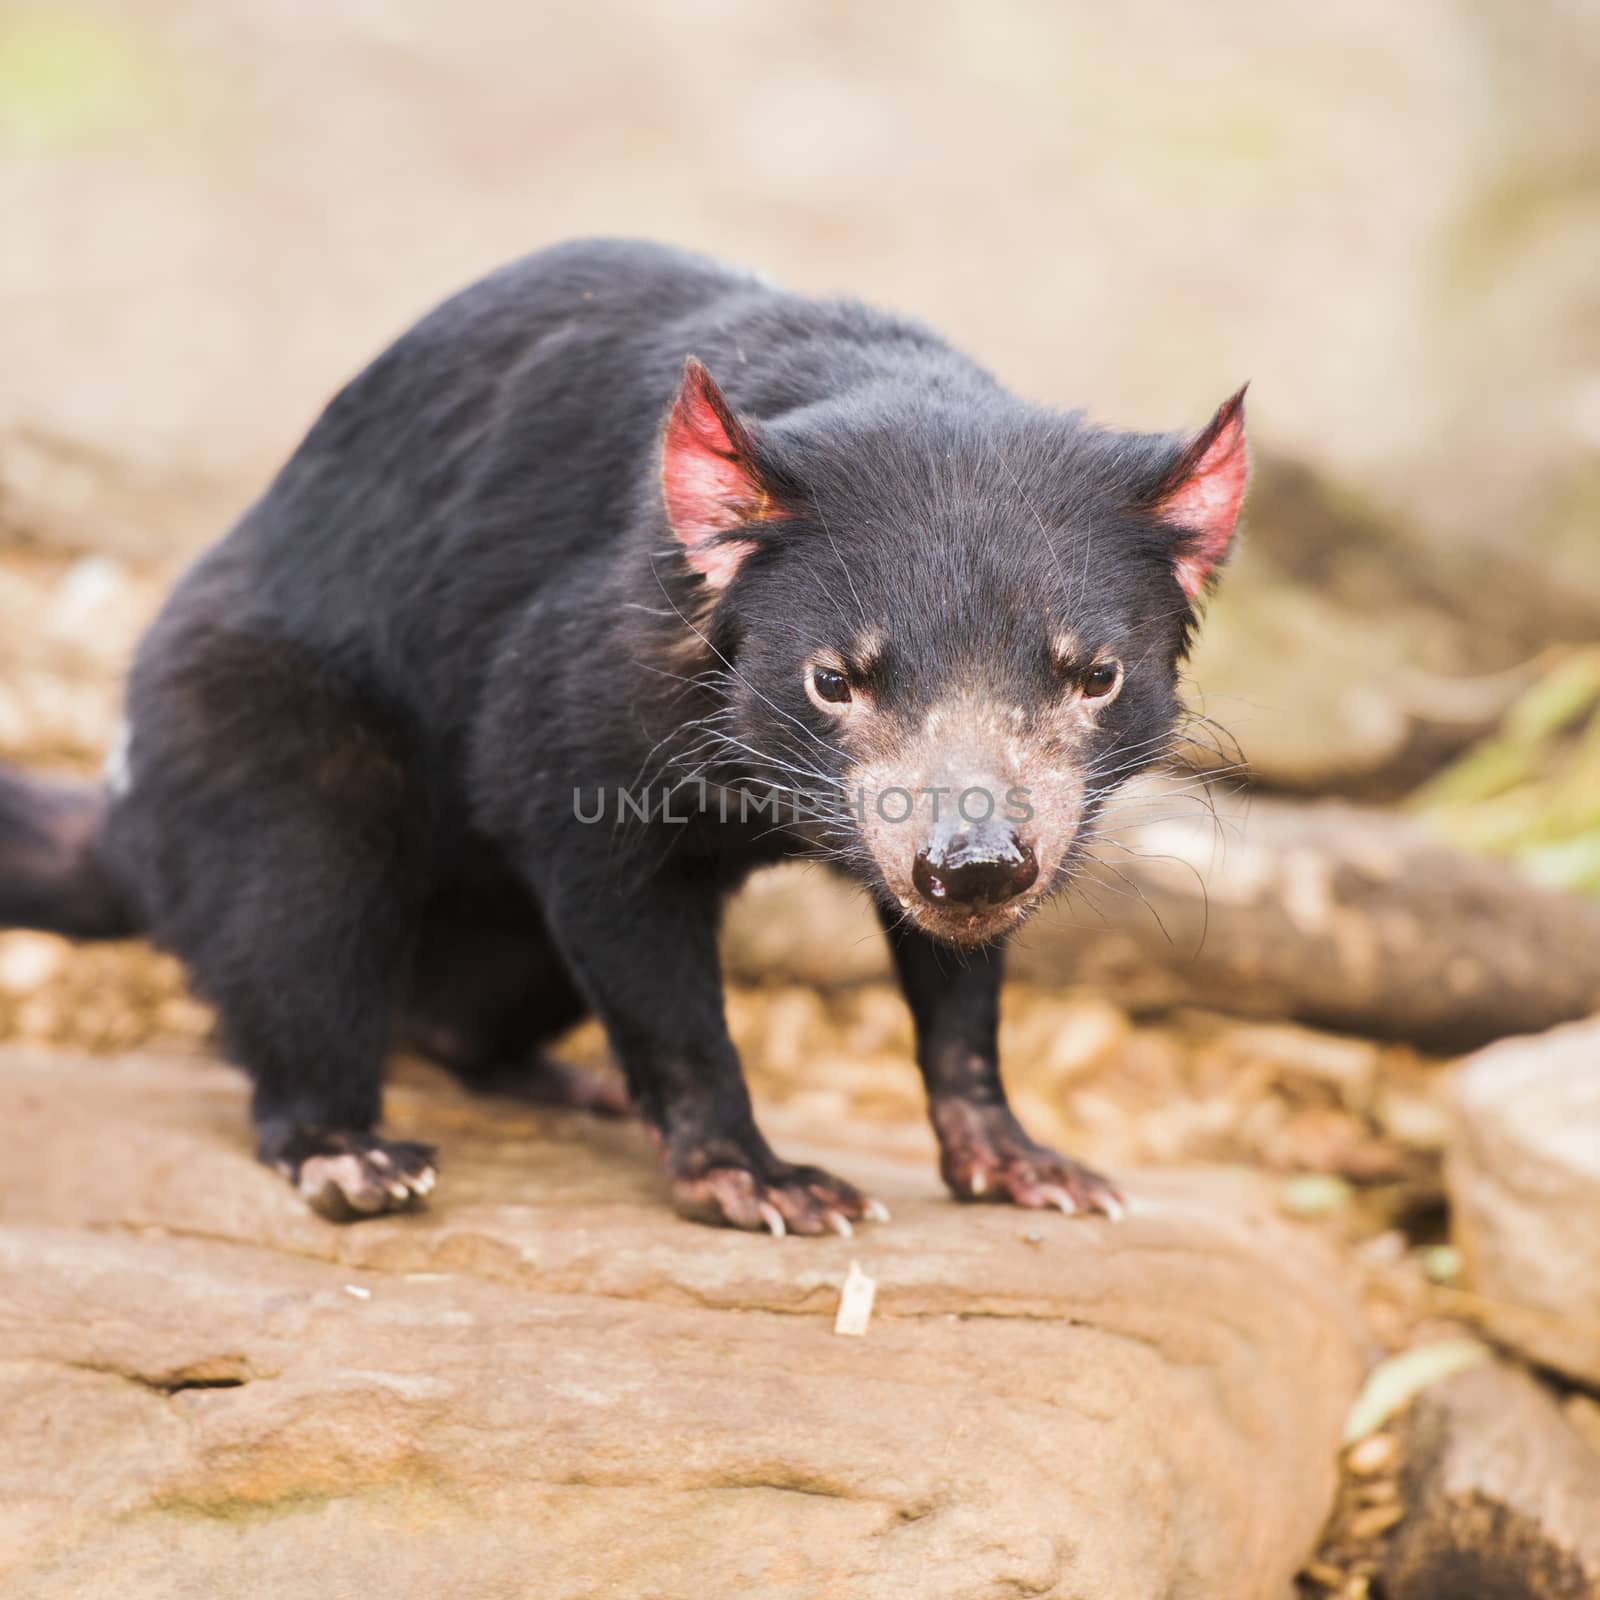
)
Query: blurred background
[{"x": 1387, "y": 218}]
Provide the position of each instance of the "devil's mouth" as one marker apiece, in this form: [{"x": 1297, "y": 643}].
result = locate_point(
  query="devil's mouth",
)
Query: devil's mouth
[{"x": 967, "y": 926}]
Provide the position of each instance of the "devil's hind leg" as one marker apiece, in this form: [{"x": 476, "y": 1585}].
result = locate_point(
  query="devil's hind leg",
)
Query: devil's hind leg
[
  {"x": 489, "y": 993},
  {"x": 281, "y": 837}
]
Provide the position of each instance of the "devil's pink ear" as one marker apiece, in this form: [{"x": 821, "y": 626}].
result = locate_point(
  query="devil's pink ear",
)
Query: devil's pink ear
[
  {"x": 710, "y": 477},
  {"x": 1202, "y": 491}
]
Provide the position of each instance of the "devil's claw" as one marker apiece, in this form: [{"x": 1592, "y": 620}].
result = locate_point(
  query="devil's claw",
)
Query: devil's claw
[
  {"x": 986, "y": 1155},
  {"x": 769, "y": 1195}
]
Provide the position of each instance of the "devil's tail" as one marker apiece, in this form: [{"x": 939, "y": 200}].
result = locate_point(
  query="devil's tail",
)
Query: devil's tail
[{"x": 56, "y": 871}]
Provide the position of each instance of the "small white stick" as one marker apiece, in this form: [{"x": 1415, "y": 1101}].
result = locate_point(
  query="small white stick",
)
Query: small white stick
[{"x": 855, "y": 1303}]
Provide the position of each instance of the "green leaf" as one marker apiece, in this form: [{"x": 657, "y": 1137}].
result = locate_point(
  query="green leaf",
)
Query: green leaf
[{"x": 1399, "y": 1380}]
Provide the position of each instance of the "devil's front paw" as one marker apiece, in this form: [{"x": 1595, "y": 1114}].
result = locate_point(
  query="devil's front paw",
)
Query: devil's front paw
[
  {"x": 986, "y": 1155},
  {"x": 346, "y": 1176},
  {"x": 730, "y": 1183}
]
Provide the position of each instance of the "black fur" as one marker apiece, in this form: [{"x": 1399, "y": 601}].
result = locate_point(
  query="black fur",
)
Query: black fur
[
  {"x": 55, "y": 872},
  {"x": 358, "y": 723}
]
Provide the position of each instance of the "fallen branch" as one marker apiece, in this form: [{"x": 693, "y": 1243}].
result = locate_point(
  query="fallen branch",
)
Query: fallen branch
[{"x": 1329, "y": 914}]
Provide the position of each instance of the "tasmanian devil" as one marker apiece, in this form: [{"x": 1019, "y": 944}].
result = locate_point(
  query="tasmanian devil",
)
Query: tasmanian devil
[{"x": 543, "y": 639}]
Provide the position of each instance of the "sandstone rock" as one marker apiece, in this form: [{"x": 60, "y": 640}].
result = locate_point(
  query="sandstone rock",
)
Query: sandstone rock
[
  {"x": 1523, "y": 1173},
  {"x": 548, "y": 1385},
  {"x": 1501, "y": 1496}
]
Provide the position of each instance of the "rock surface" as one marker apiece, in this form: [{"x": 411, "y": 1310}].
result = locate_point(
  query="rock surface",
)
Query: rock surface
[
  {"x": 549, "y": 1385},
  {"x": 1524, "y": 1179},
  {"x": 1501, "y": 1495}
]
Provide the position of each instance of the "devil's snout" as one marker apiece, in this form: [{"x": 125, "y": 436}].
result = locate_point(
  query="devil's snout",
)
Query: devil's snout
[{"x": 981, "y": 865}]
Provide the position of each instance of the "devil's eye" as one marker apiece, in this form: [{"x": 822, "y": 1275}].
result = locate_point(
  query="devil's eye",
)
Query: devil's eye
[
  {"x": 1101, "y": 679},
  {"x": 830, "y": 685}
]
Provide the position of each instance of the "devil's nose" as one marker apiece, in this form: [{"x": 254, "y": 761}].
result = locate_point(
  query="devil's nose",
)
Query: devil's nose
[{"x": 974, "y": 870}]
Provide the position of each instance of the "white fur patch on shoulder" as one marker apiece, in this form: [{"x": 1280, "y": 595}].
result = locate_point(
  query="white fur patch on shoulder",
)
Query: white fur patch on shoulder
[{"x": 118, "y": 771}]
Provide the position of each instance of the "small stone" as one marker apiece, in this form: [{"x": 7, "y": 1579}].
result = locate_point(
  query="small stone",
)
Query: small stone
[
  {"x": 1313, "y": 1194},
  {"x": 1375, "y": 1520},
  {"x": 1388, "y": 1249},
  {"x": 1380, "y": 1491},
  {"x": 1377, "y": 1453},
  {"x": 1523, "y": 1173},
  {"x": 1420, "y": 1121},
  {"x": 91, "y": 586},
  {"x": 38, "y": 1019},
  {"x": 1328, "y": 1577},
  {"x": 184, "y": 1017},
  {"x": 1442, "y": 1263},
  {"x": 28, "y": 961}
]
